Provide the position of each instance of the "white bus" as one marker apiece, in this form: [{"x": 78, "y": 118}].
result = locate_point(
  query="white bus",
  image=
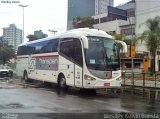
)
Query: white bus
[{"x": 83, "y": 58}]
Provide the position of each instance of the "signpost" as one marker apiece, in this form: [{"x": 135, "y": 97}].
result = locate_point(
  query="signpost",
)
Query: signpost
[
  {"x": 117, "y": 13},
  {"x": 122, "y": 14}
]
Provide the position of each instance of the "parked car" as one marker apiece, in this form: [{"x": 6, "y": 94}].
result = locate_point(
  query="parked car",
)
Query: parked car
[{"x": 5, "y": 72}]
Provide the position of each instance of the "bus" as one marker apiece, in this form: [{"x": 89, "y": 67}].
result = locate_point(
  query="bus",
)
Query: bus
[{"x": 84, "y": 58}]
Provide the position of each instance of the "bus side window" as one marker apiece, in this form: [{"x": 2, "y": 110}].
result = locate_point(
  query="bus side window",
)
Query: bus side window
[
  {"x": 22, "y": 50},
  {"x": 51, "y": 46},
  {"x": 72, "y": 49}
]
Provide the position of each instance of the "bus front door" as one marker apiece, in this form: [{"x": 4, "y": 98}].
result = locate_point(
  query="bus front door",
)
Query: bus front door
[{"x": 78, "y": 76}]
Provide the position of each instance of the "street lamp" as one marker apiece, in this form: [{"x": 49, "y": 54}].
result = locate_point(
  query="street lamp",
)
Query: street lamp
[
  {"x": 53, "y": 31},
  {"x": 23, "y": 6}
]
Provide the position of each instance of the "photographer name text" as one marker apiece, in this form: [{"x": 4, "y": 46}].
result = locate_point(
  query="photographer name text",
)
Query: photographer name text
[{"x": 10, "y": 1}]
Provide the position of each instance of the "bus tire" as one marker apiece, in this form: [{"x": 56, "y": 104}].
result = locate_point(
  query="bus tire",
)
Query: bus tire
[
  {"x": 62, "y": 82},
  {"x": 25, "y": 76}
]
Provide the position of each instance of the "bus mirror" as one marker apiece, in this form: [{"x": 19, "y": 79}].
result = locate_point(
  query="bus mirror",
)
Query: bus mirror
[
  {"x": 85, "y": 41},
  {"x": 124, "y": 46}
]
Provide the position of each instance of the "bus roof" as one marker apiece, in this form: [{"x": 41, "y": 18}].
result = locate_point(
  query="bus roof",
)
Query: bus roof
[{"x": 75, "y": 33}]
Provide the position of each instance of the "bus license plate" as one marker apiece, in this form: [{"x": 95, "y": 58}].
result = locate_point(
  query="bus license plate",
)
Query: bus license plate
[{"x": 106, "y": 84}]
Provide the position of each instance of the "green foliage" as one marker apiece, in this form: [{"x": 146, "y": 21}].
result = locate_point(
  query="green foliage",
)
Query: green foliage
[
  {"x": 152, "y": 37},
  {"x": 32, "y": 37},
  {"x": 128, "y": 41},
  {"x": 6, "y": 53},
  {"x": 121, "y": 37},
  {"x": 37, "y": 35},
  {"x": 81, "y": 22}
]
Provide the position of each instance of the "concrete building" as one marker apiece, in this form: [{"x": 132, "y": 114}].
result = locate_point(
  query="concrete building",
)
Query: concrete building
[
  {"x": 112, "y": 25},
  {"x": 118, "y": 26},
  {"x": 81, "y": 8},
  {"x": 101, "y": 6},
  {"x": 146, "y": 10},
  {"x": 39, "y": 34},
  {"x": 139, "y": 11},
  {"x": 12, "y": 35}
]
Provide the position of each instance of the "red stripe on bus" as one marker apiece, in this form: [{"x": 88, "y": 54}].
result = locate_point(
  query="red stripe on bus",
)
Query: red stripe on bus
[
  {"x": 46, "y": 56},
  {"x": 21, "y": 57}
]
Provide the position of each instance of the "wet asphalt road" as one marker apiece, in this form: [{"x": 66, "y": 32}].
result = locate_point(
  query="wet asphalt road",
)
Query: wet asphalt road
[{"x": 17, "y": 99}]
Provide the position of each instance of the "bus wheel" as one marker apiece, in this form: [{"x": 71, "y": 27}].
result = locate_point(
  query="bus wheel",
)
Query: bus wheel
[
  {"x": 25, "y": 77},
  {"x": 62, "y": 83}
]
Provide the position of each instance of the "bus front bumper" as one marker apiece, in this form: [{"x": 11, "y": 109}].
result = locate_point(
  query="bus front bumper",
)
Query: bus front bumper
[{"x": 102, "y": 84}]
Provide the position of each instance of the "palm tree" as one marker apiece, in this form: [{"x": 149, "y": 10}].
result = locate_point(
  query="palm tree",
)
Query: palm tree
[
  {"x": 152, "y": 38},
  {"x": 121, "y": 37}
]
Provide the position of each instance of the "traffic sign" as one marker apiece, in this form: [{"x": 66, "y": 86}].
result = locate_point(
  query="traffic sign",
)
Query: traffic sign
[{"x": 117, "y": 13}]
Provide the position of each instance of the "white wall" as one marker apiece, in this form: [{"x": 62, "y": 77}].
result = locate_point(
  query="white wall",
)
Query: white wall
[
  {"x": 145, "y": 10},
  {"x": 108, "y": 26}
]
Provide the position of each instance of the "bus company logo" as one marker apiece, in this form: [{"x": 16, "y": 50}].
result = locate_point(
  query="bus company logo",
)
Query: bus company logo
[
  {"x": 48, "y": 60},
  {"x": 50, "y": 63},
  {"x": 32, "y": 63}
]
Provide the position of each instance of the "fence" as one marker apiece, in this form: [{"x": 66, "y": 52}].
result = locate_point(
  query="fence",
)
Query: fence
[{"x": 143, "y": 81}]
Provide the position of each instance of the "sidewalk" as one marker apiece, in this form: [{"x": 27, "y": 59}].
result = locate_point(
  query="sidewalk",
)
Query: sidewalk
[{"x": 147, "y": 83}]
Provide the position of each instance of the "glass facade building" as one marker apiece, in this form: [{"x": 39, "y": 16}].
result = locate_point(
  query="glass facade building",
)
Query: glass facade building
[{"x": 81, "y": 8}]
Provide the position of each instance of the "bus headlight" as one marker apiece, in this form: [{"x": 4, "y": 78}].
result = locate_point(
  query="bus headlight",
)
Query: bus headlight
[{"x": 86, "y": 77}]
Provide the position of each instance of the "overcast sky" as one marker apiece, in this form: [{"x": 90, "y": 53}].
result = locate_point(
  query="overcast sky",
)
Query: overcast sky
[{"x": 39, "y": 15}]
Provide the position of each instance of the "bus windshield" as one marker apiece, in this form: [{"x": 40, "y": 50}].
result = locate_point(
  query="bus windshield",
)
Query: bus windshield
[{"x": 102, "y": 54}]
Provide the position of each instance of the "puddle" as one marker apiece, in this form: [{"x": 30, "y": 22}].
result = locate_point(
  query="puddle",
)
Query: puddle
[{"x": 13, "y": 106}]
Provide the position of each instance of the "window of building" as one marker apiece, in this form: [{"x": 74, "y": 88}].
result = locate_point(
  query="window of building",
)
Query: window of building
[
  {"x": 128, "y": 65},
  {"x": 131, "y": 12},
  {"x": 128, "y": 31},
  {"x": 137, "y": 65},
  {"x": 106, "y": 19}
]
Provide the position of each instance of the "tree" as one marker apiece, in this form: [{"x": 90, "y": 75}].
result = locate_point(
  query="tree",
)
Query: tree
[
  {"x": 152, "y": 38},
  {"x": 6, "y": 53},
  {"x": 37, "y": 35},
  {"x": 122, "y": 37},
  {"x": 32, "y": 37},
  {"x": 81, "y": 22}
]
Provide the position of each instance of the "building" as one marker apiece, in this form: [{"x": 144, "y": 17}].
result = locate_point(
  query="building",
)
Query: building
[
  {"x": 101, "y": 6},
  {"x": 12, "y": 35},
  {"x": 1, "y": 41},
  {"x": 139, "y": 12},
  {"x": 81, "y": 8},
  {"x": 146, "y": 10},
  {"x": 112, "y": 25},
  {"x": 39, "y": 34},
  {"x": 118, "y": 26}
]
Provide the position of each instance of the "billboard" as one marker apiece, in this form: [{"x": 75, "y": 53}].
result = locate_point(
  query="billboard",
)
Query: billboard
[{"x": 117, "y": 13}]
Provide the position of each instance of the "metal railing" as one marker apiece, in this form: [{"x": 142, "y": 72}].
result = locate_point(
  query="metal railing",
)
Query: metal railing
[{"x": 141, "y": 79}]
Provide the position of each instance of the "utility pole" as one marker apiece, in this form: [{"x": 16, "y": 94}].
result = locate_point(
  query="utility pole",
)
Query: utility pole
[
  {"x": 53, "y": 31},
  {"x": 132, "y": 54},
  {"x": 23, "y": 6}
]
